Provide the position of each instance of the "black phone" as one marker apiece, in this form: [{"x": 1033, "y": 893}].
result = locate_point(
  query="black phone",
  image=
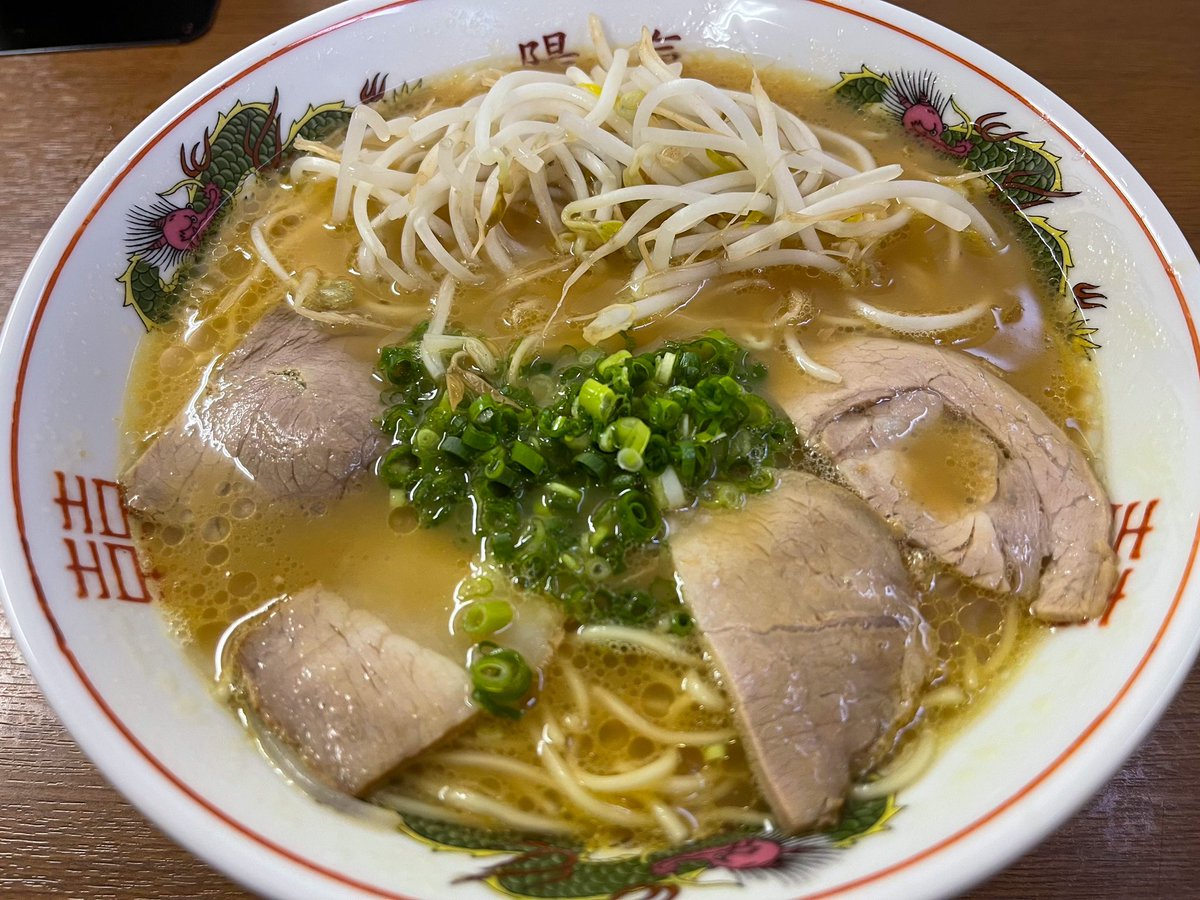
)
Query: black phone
[{"x": 30, "y": 26}]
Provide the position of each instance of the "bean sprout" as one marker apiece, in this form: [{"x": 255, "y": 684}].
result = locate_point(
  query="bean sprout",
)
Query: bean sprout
[
  {"x": 916, "y": 324},
  {"x": 629, "y": 156}
]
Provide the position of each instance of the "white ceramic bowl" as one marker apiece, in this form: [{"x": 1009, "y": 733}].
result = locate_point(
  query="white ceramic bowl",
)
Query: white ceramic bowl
[{"x": 146, "y": 716}]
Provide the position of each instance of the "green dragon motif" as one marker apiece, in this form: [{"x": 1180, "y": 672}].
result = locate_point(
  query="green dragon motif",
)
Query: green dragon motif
[
  {"x": 542, "y": 869},
  {"x": 247, "y": 139},
  {"x": 1023, "y": 173}
]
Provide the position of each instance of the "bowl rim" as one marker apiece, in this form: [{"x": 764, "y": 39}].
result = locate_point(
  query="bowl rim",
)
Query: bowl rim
[{"x": 111, "y": 750}]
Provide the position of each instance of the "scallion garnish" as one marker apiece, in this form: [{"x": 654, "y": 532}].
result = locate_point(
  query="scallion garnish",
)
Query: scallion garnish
[
  {"x": 524, "y": 455},
  {"x": 597, "y": 400},
  {"x": 501, "y": 679},
  {"x": 568, "y": 489},
  {"x": 484, "y": 617}
]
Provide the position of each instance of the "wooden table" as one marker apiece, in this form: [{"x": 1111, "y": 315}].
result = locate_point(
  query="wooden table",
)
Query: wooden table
[{"x": 1132, "y": 69}]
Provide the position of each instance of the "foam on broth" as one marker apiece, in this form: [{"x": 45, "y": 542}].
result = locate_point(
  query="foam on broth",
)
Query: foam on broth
[{"x": 231, "y": 557}]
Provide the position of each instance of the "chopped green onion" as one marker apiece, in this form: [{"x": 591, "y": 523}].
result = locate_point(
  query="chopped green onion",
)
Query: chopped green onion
[
  {"x": 663, "y": 413},
  {"x": 597, "y": 400},
  {"x": 396, "y": 466},
  {"x": 484, "y": 617},
  {"x": 681, "y": 623},
  {"x": 436, "y": 494},
  {"x": 590, "y": 357},
  {"x": 688, "y": 365},
  {"x": 475, "y": 587},
  {"x": 398, "y": 421},
  {"x": 641, "y": 370},
  {"x": 607, "y": 439},
  {"x": 633, "y": 606},
  {"x": 496, "y": 467},
  {"x": 595, "y": 464},
  {"x": 724, "y": 495},
  {"x": 402, "y": 366},
  {"x": 426, "y": 439},
  {"x": 632, "y": 434},
  {"x": 534, "y": 537},
  {"x": 714, "y": 752},
  {"x": 748, "y": 447},
  {"x": 664, "y": 367},
  {"x": 482, "y": 409},
  {"x": 623, "y": 481},
  {"x": 439, "y": 418},
  {"x": 630, "y": 460},
  {"x": 524, "y": 455},
  {"x": 686, "y": 455},
  {"x": 567, "y": 485},
  {"x": 657, "y": 455},
  {"x": 619, "y": 380},
  {"x": 560, "y": 496},
  {"x": 500, "y": 544},
  {"x": 637, "y": 518},
  {"x": 668, "y": 490},
  {"x": 500, "y": 674},
  {"x": 599, "y": 534},
  {"x": 478, "y": 439},
  {"x": 615, "y": 360},
  {"x": 760, "y": 480},
  {"x": 758, "y": 412},
  {"x": 597, "y": 568},
  {"x": 455, "y": 447},
  {"x": 555, "y": 425}
]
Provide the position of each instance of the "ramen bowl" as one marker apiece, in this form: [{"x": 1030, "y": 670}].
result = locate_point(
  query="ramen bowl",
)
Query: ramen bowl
[{"x": 147, "y": 714}]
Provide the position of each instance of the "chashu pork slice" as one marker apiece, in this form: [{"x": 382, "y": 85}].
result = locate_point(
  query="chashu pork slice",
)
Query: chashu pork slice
[
  {"x": 291, "y": 409},
  {"x": 356, "y": 698},
  {"x": 809, "y": 613},
  {"x": 1039, "y": 522}
]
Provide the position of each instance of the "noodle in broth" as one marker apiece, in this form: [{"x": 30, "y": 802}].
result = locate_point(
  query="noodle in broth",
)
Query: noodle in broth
[{"x": 632, "y": 741}]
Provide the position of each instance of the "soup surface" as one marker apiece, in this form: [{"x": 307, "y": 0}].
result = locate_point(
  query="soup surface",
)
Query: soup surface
[{"x": 608, "y": 705}]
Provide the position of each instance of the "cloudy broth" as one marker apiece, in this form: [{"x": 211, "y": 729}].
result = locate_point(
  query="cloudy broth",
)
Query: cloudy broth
[{"x": 230, "y": 557}]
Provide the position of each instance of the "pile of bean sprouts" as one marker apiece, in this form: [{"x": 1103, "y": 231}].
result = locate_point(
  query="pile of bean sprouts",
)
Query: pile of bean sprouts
[{"x": 692, "y": 180}]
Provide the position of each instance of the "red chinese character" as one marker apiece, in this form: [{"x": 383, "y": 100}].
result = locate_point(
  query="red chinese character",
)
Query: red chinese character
[
  {"x": 1118, "y": 594},
  {"x": 662, "y": 43},
  {"x": 82, "y": 591},
  {"x": 93, "y": 569},
  {"x": 68, "y": 504},
  {"x": 123, "y": 570},
  {"x": 126, "y": 569},
  {"x": 529, "y": 53},
  {"x": 1127, "y": 527},
  {"x": 112, "y": 508},
  {"x": 555, "y": 46}
]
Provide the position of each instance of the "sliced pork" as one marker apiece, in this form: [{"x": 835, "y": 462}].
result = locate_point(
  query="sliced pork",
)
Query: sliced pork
[
  {"x": 810, "y": 615},
  {"x": 291, "y": 409},
  {"x": 1038, "y": 522},
  {"x": 354, "y": 697}
]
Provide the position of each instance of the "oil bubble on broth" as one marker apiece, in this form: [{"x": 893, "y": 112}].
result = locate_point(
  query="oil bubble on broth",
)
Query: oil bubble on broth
[{"x": 605, "y": 711}]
